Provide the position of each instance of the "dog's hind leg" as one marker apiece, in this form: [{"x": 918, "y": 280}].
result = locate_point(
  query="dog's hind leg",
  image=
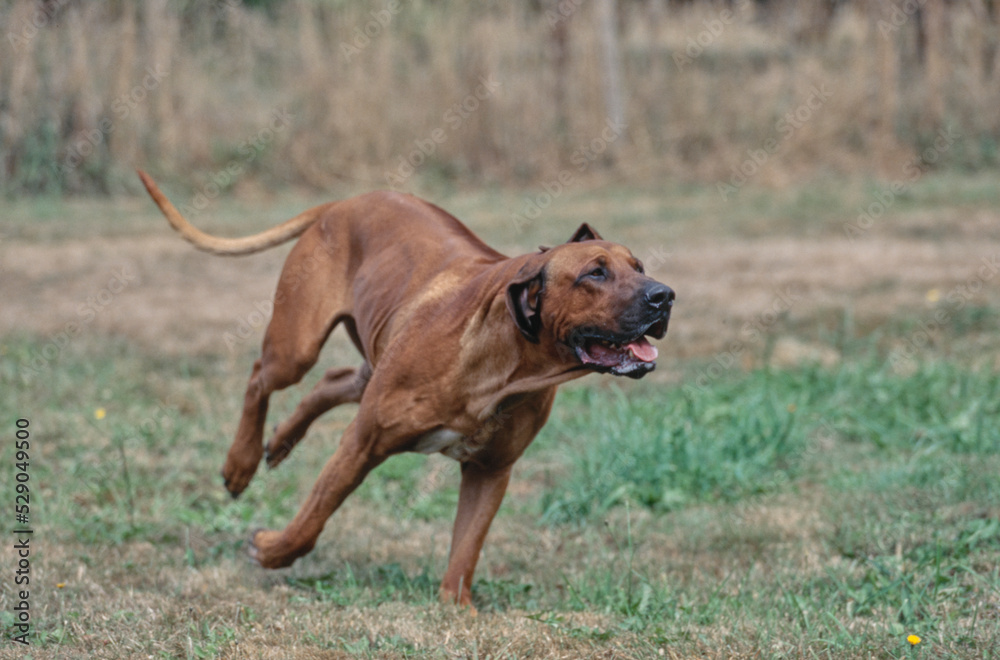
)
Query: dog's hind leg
[
  {"x": 245, "y": 452},
  {"x": 311, "y": 298},
  {"x": 336, "y": 387},
  {"x": 269, "y": 374}
]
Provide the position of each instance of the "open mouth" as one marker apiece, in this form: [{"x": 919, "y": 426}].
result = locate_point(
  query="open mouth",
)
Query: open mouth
[{"x": 621, "y": 355}]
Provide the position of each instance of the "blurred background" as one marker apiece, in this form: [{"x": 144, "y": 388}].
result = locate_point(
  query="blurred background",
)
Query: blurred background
[
  {"x": 812, "y": 469},
  {"x": 518, "y": 91}
]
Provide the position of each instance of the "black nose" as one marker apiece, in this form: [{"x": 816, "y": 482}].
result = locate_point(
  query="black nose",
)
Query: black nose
[{"x": 659, "y": 296}]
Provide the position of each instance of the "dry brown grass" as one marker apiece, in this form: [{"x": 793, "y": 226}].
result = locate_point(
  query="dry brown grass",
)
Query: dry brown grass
[{"x": 72, "y": 93}]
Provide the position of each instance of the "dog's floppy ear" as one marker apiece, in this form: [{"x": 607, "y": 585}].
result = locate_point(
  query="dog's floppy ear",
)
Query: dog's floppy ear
[
  {"x": 585, "y": 233},
  {"x": 524, "y": 300}
]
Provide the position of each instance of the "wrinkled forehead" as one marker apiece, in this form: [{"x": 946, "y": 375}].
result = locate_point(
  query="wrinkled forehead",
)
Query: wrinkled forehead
[{"x": 573, "y": 256}]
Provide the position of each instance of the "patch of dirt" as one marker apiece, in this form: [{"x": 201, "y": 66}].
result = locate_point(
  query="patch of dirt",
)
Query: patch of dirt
[{"x": 158, "y": 292}]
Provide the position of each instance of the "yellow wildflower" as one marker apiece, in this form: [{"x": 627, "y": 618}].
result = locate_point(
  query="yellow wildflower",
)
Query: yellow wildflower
[
  {"x": 913, "y": 639},
  {"x": 100, "y": 413}
]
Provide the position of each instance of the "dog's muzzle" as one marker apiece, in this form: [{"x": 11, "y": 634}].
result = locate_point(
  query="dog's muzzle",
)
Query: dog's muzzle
[{"x": 628, "y": 352}]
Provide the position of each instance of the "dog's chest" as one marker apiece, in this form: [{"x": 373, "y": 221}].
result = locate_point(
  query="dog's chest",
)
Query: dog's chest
[{"x": 450, "y": 443}]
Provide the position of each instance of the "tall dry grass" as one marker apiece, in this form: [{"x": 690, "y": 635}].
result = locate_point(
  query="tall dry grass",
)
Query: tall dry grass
[{"x": 89, "y": 90}]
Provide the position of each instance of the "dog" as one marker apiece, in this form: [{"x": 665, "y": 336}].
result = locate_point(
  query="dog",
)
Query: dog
[{"x": 463, "y": 349}]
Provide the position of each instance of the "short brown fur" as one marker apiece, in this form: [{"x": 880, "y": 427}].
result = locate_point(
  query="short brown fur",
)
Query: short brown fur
[{"x": 463, "y": 350}]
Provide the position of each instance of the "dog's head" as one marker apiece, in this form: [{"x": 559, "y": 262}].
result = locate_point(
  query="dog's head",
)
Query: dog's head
[{"x": 590, "y": 301}]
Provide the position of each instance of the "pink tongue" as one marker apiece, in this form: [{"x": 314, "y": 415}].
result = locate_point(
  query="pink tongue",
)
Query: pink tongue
[{"x": 643, "y": 350}]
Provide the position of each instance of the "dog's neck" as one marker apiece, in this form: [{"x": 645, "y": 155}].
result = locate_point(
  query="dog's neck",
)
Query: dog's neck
[{"x": 506, "y": 364}]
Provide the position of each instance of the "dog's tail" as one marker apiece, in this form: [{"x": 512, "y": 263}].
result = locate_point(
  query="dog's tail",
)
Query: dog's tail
[{"x": 229, "y": 246}]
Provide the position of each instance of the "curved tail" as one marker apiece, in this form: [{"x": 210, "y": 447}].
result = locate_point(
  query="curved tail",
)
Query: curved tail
[{"x": 229, "y": 246}]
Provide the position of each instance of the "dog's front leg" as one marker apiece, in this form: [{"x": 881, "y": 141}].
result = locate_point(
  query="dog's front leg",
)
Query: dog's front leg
[
  {"x": 354, "y": 459},
  {"x": 479, "y": 498}
]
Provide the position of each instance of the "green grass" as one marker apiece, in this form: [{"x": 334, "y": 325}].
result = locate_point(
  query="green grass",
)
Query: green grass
[
  {"x": 798, "y": 512},
  {"x": 668, "y": 449},
  {"x": 908, "y": 462},
  {"x": 752, "y": 434}
]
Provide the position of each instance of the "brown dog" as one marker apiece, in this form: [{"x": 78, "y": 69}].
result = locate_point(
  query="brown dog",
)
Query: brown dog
[{"x": 463, "y": 349}]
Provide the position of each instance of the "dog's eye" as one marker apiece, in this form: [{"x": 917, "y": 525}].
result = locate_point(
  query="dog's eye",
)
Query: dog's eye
[
  {"x": 598, "y": 273},
  {"x": 639, "y": 267}
]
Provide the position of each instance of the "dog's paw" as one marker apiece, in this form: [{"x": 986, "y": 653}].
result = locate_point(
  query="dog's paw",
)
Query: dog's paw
[
  {"x": 237, "y": 478},
  {"x": 267, "y": 549},
  {"x": 234, "y": 488},
  {"x": 274, "y": 458},
  {"x": 281, "y": 444},
  {"x": 462, "y": 602}
]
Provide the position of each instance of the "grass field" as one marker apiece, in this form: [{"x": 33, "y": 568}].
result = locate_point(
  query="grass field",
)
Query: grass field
[{"x": 811, "y": 472}]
